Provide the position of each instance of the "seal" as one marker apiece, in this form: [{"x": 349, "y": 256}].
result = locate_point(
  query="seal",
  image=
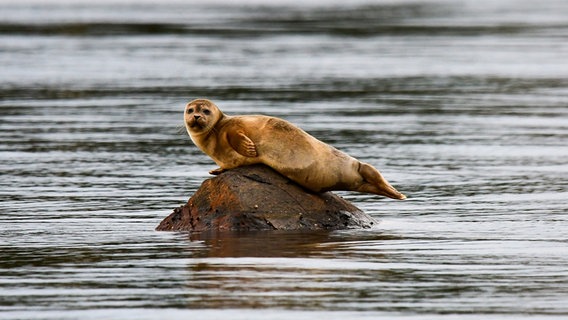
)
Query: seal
[{"x": 235, "y": 141}]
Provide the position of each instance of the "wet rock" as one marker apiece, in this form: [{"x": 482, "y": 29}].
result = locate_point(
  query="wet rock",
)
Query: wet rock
[{"x": 258, "y": 198}]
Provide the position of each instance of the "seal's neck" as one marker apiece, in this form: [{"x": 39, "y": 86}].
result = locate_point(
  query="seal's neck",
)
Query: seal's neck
[{"x": 202, "y": 138}]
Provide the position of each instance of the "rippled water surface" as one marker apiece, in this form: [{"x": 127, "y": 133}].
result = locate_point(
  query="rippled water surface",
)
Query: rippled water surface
[{"x": 463, "y": 105}]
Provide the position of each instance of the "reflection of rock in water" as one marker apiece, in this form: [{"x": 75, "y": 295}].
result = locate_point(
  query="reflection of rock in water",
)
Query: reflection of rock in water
[
  {"x": 258, "y": 198},
  {"x": 273, "y": 243}
]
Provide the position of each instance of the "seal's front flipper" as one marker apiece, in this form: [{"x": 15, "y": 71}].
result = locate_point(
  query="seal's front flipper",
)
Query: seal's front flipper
[
  {"x": 243, "y": 144},
  {"x": 217, "y": 171}
]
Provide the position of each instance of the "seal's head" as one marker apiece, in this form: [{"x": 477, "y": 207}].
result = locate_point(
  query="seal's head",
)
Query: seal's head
[{"x": 200, "y": 116}]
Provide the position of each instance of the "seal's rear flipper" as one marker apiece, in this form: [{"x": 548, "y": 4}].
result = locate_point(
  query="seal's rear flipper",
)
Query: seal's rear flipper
[{"x": 376, "y": 183}]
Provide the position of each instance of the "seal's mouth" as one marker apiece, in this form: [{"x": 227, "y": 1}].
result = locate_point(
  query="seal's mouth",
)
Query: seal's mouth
[{"x": 197, "y": 124}]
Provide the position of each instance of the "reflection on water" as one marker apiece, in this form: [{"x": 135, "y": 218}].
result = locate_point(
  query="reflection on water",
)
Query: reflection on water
[
  {"x": 261, "y": 244},
  {"x": 462, "y": 105}
]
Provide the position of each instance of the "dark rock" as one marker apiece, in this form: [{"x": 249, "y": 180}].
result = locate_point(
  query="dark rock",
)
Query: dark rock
[{"x": 258, "y": 198}]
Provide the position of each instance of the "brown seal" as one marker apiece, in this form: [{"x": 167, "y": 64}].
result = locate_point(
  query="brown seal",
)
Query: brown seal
[{"x": 234, "y": 141}]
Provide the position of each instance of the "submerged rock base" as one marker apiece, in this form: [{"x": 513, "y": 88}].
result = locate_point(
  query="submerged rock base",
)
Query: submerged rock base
[{"x": 258, "y": 198}]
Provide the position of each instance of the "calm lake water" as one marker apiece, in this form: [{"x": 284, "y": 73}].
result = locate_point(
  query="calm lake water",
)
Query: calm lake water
[{"x": 463, "y": 105}]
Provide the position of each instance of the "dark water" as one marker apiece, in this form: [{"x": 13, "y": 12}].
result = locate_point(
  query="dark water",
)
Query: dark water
[{"x": 463, "y": 105}]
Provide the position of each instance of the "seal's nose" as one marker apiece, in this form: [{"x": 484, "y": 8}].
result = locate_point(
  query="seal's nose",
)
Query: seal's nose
[{"x": 196, "y": 116}]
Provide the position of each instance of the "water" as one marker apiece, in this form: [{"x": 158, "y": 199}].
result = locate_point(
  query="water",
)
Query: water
[{"x": 463, "y": 105}]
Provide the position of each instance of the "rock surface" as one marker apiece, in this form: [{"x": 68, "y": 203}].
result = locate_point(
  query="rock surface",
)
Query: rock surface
[{"x": 258, "y": 198}]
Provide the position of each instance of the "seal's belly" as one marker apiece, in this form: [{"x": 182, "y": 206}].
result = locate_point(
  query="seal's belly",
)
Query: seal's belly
[
  {"x": 319, "y": 170},
  {"x": 231, "y": 160}
]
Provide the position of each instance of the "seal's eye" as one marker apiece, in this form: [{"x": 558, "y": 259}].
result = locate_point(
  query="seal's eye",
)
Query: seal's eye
[
  {"x": 206, "y": 112},
  {"x": 190, "y": 110}
]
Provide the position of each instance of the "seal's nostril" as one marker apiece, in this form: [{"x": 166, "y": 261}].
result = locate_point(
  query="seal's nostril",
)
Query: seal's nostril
[{"x": 196, "y": 117}]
